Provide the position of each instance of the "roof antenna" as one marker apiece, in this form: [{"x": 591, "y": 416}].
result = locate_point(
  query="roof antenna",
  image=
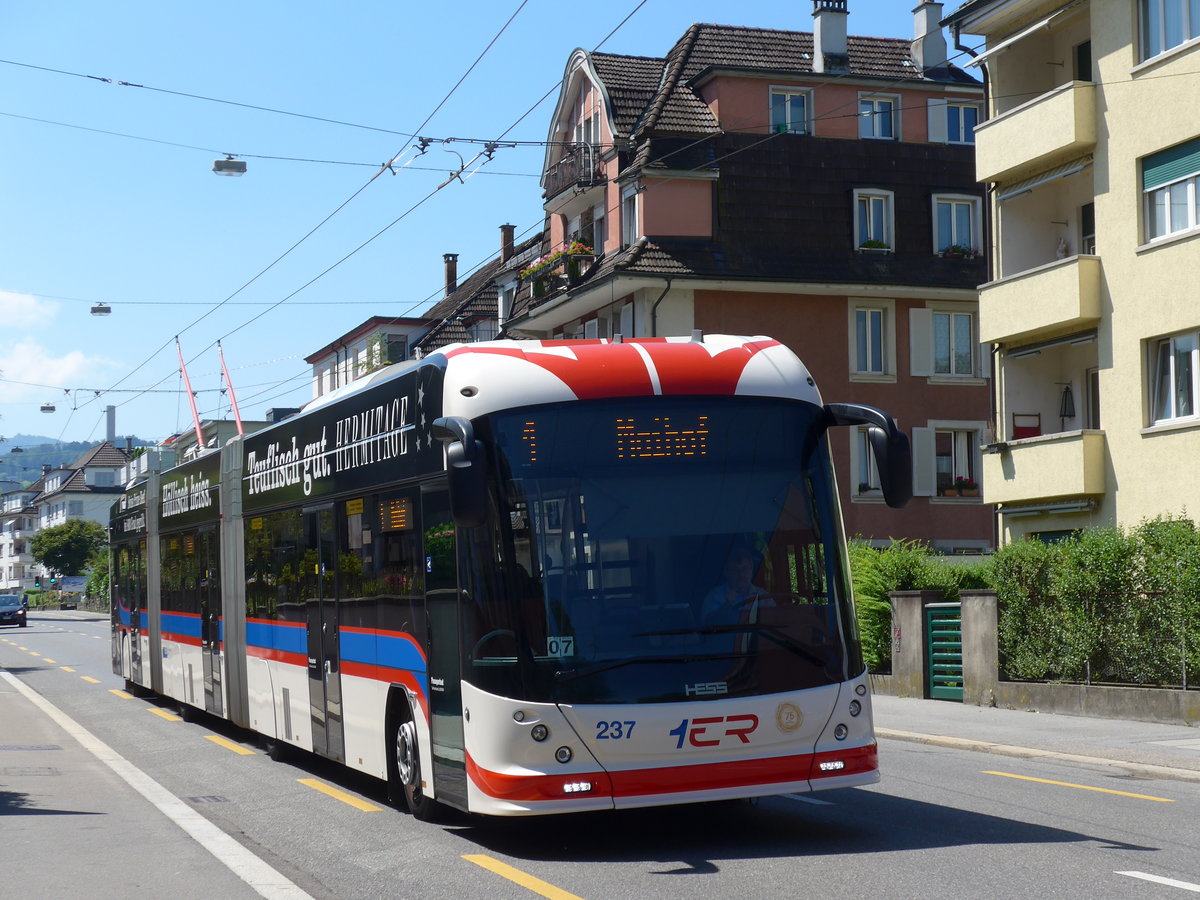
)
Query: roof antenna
[{"x": 697, "y": 336}]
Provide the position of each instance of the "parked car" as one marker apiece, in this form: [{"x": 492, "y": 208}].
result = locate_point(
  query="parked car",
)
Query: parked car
[{"x": 12, "y": 611}]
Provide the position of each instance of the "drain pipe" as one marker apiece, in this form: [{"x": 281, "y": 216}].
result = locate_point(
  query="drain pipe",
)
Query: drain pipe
[{"x": 654, "y": 308}]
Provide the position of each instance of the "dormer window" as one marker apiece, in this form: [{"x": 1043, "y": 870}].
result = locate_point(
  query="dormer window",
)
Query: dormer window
[{"x": 790, "y": 110}]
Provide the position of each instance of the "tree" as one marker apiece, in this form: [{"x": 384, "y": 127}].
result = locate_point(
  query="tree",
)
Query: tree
[{"x": 67, "y": 548}]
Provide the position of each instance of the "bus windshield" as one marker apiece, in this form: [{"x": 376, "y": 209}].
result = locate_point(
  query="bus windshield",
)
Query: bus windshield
[{"x": 658, "y": 550}]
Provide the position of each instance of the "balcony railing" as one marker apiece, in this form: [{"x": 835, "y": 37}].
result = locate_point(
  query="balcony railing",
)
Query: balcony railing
[
  {"x": 580, "y": 167},
  {"x": 1051, "y": 128},
  {"x": 1056, "y": 298},
  {"x": 1068, "y": 464}
]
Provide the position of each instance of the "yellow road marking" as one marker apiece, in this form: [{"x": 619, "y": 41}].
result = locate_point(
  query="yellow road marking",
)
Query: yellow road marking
[
  {"x": 66, "y": 668},
  {"x": 230, "y": 745},
  {"x": 524, "y": 880},
  {"x": 19, "y": 647},
  {"x": 34, "y": 653},
  {"x": 49, "y": 660},
  {"x": 162, "y": 713},
  {"x": 120, "y": 693},
  {"x": 339, "y": 795},
  {"x": 1082, "y": 787},
  {"x": 90, "y": 679}
]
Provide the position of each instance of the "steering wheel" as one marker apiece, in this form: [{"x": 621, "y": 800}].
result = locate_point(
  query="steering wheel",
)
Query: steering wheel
[{"x": 494, "y": 633}]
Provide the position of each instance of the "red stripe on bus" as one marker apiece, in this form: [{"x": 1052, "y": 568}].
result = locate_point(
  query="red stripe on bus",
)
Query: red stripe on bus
[
  {"x": 293, "y": 659},
  {"x": 675, "y": 779},
  {"x": 181, "y": 638}
]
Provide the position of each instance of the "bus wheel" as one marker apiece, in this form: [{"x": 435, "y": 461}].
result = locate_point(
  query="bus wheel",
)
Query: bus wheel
[
  {"x": 187, "y": 712},
  {"x": 406, "y": 770},
  {"x": 276, "y": 749}
]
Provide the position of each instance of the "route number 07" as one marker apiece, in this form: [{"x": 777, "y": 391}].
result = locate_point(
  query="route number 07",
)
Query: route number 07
[{"x": 614, "y": 731}]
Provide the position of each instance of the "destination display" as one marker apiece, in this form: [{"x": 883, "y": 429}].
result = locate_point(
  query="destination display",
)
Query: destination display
[
  {"x": 129, "y": 514},
  {"x": 381, "y": 435}
]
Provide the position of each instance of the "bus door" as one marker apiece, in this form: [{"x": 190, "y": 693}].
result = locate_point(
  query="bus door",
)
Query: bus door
[
  {"x": 136, "y": 578},
  {"x": 319, "y": 561},
  {"x": 210, "y": 618},
  {"x": 444, "y": 660}
]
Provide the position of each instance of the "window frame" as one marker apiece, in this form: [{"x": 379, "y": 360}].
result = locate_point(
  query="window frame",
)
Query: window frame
[
  {"x": 1155, "y": 360},
  {"x": 922, "y": 339},
  {"x": 887, "y": 343},
  {"x": 1191, "y": 188},
  {"x": 875, "y": 116},
  {"x": 976, "y": 206},
  {"x": 1189, "y": 27},
  {"x": 862, "y": 463},
  {"x": 965, "y": 138},
  {"x": 629, "y": 215},
  {"x": 952, "y": 352},
  {"x": 924, "y": 455},
  {"x": 889, "y": 218},
  {"x": 788, "y": 126}
]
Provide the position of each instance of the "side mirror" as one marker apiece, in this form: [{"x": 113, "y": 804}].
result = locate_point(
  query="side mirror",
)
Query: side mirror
[
  {"x": 893, "y": 456},
  {"x": 466, "y": 470}
]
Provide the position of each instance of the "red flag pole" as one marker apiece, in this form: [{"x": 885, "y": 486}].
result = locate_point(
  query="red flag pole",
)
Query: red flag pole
[
  {"x": 187, "y": 384},
  {"x": 237, "y": 416}
]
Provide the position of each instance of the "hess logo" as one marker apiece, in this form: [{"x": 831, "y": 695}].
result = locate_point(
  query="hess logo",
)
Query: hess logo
[{"x": 709, "y": 731}]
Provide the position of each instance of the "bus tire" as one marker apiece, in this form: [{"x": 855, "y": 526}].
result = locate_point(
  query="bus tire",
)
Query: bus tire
[
  {"x": 404, "y": 767},
  {"x": 276, "y": 749},
  {"x": 187, "y": 712}
]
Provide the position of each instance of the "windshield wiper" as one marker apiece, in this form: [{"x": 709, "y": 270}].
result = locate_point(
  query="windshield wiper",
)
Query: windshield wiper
[
  {"x": 770, "y": 632},
  {"x": 583, "y": 671}
]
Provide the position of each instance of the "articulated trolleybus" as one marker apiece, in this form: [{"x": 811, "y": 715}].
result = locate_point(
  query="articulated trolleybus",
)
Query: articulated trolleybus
[{"x": 523, "y": 577}]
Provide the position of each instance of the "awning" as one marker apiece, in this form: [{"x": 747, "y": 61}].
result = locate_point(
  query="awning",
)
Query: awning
[
  {"x": 1083, "y": 337},
  {"x": 1025, "y": 185},
  {"x": 1024, "y": 32}
]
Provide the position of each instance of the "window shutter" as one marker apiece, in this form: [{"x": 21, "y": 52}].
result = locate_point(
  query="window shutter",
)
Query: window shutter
[
  {"x": 985, "y": 360},
  {"x": 937, "y": 121},
  {"x": 920, "y": 341},
  {"x": 1171, "y": 165},
  {"x": 924, "y": 464}
]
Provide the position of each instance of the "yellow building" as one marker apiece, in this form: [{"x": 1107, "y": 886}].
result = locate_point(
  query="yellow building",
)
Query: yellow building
[{"x": 1091, "y": 152}]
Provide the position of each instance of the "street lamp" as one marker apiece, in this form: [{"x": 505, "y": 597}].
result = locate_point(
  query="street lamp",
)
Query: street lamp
[
  {"x": 101, "y": 309},
  {"x": 229, "y": 166}
]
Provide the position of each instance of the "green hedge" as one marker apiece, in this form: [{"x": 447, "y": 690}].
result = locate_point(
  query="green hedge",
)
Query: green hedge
[{"x": 1108, "y": 605}]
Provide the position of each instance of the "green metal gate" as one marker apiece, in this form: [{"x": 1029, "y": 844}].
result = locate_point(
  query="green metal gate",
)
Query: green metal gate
[{"x": 943, "y": 650}]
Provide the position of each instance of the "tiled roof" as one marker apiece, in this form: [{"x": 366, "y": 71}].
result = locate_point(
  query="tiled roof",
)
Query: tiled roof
[
  {"x": 101, "y": 455},
  {"x": 631, "y": 82}
]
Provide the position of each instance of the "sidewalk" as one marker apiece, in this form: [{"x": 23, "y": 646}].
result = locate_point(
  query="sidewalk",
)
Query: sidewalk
[
  {"x": 69, "y": 826},
  {"x": 1144, "y": 748}
]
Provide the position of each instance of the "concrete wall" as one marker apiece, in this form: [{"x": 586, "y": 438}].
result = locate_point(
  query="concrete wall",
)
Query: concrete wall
[{"x": 981, "y": 659}]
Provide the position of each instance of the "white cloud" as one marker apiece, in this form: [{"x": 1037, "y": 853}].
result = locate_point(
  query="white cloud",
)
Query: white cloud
[
  {"x": 25, "y": 310},
  {"x": 31, "y": 372}
]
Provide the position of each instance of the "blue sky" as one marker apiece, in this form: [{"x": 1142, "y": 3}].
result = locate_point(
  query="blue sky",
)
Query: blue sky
[{"x": 146, "y": 227}]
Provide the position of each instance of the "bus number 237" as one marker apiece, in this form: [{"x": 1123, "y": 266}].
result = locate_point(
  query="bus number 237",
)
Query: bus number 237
[{"x": 614, "y": 731}]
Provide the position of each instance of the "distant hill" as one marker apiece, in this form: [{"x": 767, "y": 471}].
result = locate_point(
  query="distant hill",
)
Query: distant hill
[{"x": 22, "y": 456}]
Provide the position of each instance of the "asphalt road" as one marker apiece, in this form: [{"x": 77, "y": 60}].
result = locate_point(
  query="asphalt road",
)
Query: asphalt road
[{"x": 942, "y": 823}]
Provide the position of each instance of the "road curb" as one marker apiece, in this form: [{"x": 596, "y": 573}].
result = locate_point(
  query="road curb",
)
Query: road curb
[{"x": 938, "y": 740}]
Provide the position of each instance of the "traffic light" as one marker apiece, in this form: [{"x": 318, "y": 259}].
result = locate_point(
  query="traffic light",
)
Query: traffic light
[
  {"x": 53, "y": 579},
  {"x": 37, "y": 580}
]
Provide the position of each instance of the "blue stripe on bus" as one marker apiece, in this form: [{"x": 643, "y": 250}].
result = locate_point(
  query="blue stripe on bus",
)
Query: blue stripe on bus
[
  {"x": 181, "y": 623},
  {"x": 288, "y": 638},
  {"x": 392, "y": 651}
]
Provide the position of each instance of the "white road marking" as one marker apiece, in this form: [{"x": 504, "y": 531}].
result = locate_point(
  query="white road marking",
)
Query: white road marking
[
  {"x": 1169, "y": 882},
  {"x": 265, "y": 880},
  {"x": 800, "y": 798}
]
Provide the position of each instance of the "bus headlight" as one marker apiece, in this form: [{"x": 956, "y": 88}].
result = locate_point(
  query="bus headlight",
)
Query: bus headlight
[
  {"x": 840, "y": 732},
  {"x": 539, "y": 732},
  {"x": 563, "y": 754},
  {"x": 855, "y": 707}
]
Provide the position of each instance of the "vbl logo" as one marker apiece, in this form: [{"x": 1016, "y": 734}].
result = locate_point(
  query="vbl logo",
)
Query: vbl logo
[{"x": 707, "y": 732}]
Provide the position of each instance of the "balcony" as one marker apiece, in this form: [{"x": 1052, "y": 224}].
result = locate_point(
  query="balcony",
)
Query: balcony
[
  {"x": 1057, "y": 298},
  {"x": 1067, "y": 464},
  {"x": 1051, "y": 128},
  {"x": 581, "y": 167}
]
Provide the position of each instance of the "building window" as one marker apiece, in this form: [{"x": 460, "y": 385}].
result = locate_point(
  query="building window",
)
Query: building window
[
  {"x": 943, "y": 343},
  {"x": 1175, "y": 368},
  {"x": 1169, "y": 184},
  {"x": 873, "y": 219},
  {"x": 866, "y": 473},
  {"x": 1167, "y": 24},
  {"x": 877, "y": 118},
  {"x": 961, "y": 119},
  {"x": 75, "y": 508},
  {"x": 946, "y": 459},
  {"x": 789, "y": 111},
  {"x": 956, "y": 224},
  {"x": 483, "y": 330},
  {"x": 953, "y": 343},
  {"x": 629, "y": 216},
  {"x": 1087, "y": 228},
  {"x": 871, "y": 337}
]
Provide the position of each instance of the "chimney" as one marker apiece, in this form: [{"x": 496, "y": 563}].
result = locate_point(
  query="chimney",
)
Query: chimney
[
  {"x": 451, "y": 261},
  {"x": 829, "y": 37},
  {"x": 929, "y": 44},
  {"x": 111, "y": 428},
  {"x": 507, "y": 234}
]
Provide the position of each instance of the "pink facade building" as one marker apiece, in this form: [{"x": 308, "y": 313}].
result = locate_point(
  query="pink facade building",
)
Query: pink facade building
[{"x": 817, "y": 187}]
